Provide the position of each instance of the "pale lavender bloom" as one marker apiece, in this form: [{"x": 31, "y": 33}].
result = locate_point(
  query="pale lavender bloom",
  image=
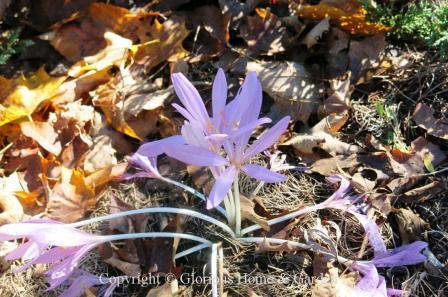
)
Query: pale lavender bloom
[
  {"x": 230, "y": 127},
  {"x": 409, "y": 254},
  {"x": 81, "y": 280},
  {"x": 350, "y": 203},
  {"x": 148, "y": 166},
  {"x": 49, "y": 242},
  {"x": 243, "y": 111},
  {"x": 372, "y": 285},
  {"x": 238, "y": 154}
]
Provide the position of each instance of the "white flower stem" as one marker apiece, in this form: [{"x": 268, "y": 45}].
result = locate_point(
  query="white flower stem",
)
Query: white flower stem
[
  {"x": 107, "y": 238},
  {"x": 236, "y": 197},
  {"x": 191, "y": 250},
  {"x": 192, "y": 191},
  {"x": 214, "y": 269},
  {"x": 283, "y": 218},
  {"x": 182, "y": 211}
]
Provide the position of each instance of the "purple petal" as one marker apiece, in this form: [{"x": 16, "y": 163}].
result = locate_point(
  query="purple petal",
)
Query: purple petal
[
  {"x": 409, "y": 254},
  {"x": 219, "y": 96},
  {"x": 61, "y": 272},
  {"x": 28, "y": 250},
  {"x": 183, "y": 112},
  {"x": 242, "y": 134},
  {"x": 373, "y": 233},
  {"x": 263, "y": 174},
  {"x": 194, "y": 155},
  {"x": 369, "y": 282},
  {"x": 336, "y": 199},
  {"x": 23, "y": 229},
  {"x": 194, "y": 135},
  {"x": 154, "y": 148},
  {"x": 64, "y": 236},
  {"x": 267, "y": 139},
  {"x": 221, "y": 187},
  {"x": 247, "y": 102},
  {"x": 81, "y": 282},
  {"x": 248, "y": 128},
  {"x": 149, "y": 165},
  {"x": 190, "y": 98},
  {"x": 141, "y": 174}
]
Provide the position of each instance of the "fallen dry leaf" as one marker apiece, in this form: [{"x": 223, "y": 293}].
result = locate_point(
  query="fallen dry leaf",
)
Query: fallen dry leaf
[
  {"x": 333, "y": 284},
  {"x": 11, "y": 209},
  {"x": 237, "y": 10},
  {"x": 71, "y": 197},
  {"x": 20, "y": 97},
  {"x": 115, "y": 53},
  {"x": 84, "y": 36},
  {"x": 329, "y": 166},
  {"x": 348, "y": 15},
  {"x": 423, "y": 117},
  {"x": 169, "y": 289},
  {"x": 44, "y": 134},
  {"x": 339, "y": 100},
  {"x": 124, "y": 100},
  {"x": 265, "y": 246},
  {"x": 211, "y": 32},
  {"x": 364, "y": 56},
  {"x": 321, "y": 137},
  {"x": 264, "y": 33},
  {"x": 100, "y": 155},
  {"x": 291, "y": 86},
  {"x": 423, "y": 193},
  {"x": 170, "y": 34},
  {"x": 248, "y": 212},
  {"x": 410, "y": 225}
]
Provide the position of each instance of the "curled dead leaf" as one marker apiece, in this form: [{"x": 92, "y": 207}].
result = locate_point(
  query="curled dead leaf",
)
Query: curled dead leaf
[
  {"x": 266, "y": 246},
  {"x": 423, "y": 117}
]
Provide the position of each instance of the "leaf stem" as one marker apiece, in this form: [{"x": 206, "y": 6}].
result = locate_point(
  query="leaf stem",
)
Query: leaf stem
[
  {"x": 182, "y": 211},
  {"x": 106, "y": 238}
]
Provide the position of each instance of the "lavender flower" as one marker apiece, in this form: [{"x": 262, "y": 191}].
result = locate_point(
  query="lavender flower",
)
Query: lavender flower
[
  {"x": 49, "y": 242},
  {"x": 81, "y": 280},
  {"x": 231, "y": 126},
  {"x": 372, "y": 285},
  {"x": 238, "y": 157}
]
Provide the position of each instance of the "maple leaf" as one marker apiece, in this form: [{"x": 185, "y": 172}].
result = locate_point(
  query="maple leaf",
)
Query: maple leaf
[
  {"x": 23, "y": 95},
  {"x": 348, "y": 15}
]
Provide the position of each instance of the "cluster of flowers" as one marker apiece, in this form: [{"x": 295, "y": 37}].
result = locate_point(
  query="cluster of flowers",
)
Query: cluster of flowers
[{"x": 221, "y": 143}]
